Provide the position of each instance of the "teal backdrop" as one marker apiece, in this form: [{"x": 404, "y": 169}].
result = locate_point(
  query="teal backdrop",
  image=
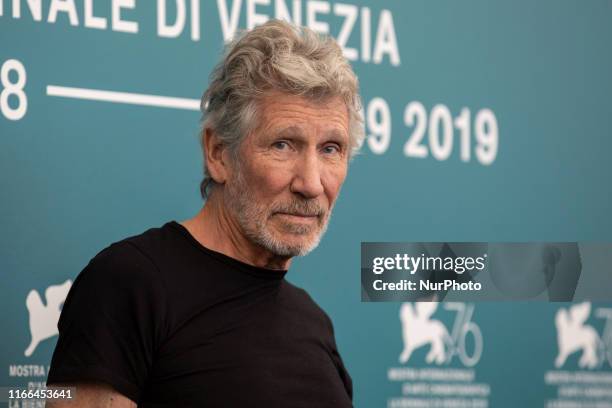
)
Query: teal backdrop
[{"x": 486, "y": 121}]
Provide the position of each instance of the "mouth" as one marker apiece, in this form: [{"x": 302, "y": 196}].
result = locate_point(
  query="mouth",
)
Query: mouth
[{"x": 297, "y": 217}]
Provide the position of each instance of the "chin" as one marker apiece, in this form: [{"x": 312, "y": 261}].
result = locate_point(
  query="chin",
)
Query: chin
[{"x": 292, "y": 244}]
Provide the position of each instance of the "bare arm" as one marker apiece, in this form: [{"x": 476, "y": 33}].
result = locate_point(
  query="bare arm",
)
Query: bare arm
[{"x": 92, "y": 395}]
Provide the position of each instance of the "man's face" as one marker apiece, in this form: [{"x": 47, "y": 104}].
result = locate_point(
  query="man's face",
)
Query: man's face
[{"x": 289, "y": 173}]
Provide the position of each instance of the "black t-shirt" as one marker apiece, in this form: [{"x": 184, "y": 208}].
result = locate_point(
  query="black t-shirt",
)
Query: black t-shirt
[{"x": 170, "y": 323}]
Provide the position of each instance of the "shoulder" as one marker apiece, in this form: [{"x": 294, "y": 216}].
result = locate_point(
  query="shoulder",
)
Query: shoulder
[
  {"x": 153, "y": 239},
  {"x": 309, "y": 304},
  {"x": 119, "y": 278},
  {"x": 124, "y": 269},
  {"x": 120, "y": 260},
  {"x": 132, "y": 256}
]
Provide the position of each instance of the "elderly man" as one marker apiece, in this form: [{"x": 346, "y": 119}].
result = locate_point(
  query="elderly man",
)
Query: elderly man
[{"x": 198, "y": 313}]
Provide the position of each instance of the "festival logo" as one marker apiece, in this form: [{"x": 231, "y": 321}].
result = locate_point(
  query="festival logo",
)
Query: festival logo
[
  {"x": 420, "y": 330},
  {"x": 581, "y": 377},
  {"x": 44, "y": 317},
  {"x": 574, "y": 335},
  {"x": 442, "y": 332}
]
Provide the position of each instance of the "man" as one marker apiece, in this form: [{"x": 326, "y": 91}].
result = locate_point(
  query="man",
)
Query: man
[{"x": 198, "y": 313}]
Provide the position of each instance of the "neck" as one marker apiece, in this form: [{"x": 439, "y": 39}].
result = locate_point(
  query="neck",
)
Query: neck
[{"x": 216, "y": 229}]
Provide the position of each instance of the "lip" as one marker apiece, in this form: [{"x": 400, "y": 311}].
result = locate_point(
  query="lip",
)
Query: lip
[{"x": 298, "y": 217}]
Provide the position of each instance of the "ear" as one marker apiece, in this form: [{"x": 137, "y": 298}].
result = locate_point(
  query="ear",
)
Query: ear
[
  {"x": 580, "y": 312},
  {"x": 216, "y": 160},
  {"x": 426, "y": 309},
  {"x": 405, "y": 309}
]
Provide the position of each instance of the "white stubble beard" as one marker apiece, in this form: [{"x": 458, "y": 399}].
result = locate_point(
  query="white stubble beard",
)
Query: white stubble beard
[{"x": 253, "y": 219}]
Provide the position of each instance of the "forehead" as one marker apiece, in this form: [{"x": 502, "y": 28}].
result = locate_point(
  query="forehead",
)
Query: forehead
[{"x": 280, "y": 110}]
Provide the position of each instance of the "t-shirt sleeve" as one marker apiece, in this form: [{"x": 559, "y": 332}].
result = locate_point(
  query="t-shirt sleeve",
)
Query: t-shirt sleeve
[
  {"x": 112, "y": 322},
  {"x": 342, "y": 371},
  {"x": 335, "y": 354}
]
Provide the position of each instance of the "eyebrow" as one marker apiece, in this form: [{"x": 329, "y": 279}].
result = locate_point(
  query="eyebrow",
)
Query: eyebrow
[
  {"x": 296, "y": 131},
  {"x": 337, "y": 135}
]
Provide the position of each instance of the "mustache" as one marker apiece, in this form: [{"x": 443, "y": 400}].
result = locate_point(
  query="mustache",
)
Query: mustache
[{"x": 311, "y": 208}]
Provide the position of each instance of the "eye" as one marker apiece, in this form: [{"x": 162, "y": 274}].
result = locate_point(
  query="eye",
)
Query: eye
[
  {"x": 331, "y": 149},
  {"x": 280, "y": 145}
]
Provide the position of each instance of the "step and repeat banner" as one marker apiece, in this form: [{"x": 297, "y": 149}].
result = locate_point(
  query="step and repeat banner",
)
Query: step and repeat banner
[{"x": 487, "y": 121}]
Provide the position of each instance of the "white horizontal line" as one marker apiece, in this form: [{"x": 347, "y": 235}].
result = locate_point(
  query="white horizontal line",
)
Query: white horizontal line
[{"x": 123, "y": 97}]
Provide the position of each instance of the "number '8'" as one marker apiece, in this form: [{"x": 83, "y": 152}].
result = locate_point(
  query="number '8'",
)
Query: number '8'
[{"x": 13, "y": 88}]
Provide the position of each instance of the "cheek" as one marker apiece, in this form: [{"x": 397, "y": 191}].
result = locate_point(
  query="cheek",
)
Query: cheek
[
  {"x": 267, "y": 179},
  {"x": 333, "y": 180}
]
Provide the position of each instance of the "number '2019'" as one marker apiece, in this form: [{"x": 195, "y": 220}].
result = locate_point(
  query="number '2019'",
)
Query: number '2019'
[{"x": 439, "y": 127}]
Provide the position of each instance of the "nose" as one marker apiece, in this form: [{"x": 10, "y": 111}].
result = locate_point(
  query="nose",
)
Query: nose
[{"x": 307, "y": 180}]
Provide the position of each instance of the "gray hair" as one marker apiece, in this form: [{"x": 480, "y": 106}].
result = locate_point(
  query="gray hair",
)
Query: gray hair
[{"x": 275, "y": 56}]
